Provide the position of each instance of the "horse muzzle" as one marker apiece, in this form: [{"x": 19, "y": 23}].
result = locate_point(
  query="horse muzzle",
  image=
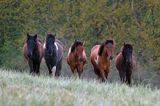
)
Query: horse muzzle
[
  {"x": 30, "y": 55},
  {"x": 111, "y": 58}
]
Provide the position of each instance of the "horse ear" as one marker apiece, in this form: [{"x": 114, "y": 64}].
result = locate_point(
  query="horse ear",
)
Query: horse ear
[
  {"x": 83, "y": 43},
  {"x": 27, "y": 34},
  {"x": 35, "y": 36},
  {"x": 124, "y": 43},
  {"x": 113, "y": 42}
]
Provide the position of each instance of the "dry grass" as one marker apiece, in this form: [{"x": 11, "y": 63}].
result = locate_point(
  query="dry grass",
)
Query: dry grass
[{"x": 18, "y": 89}]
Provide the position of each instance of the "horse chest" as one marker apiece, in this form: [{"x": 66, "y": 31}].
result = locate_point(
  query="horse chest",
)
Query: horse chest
[{"x": 104, "y": 65}]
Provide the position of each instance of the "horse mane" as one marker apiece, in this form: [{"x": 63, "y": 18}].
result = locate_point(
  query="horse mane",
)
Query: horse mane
[
  {"x": 101, "y": 49},
  {"x": 102, "y": 46},
  {"x": 127, "y": 45},
  {"x": 52, "y": 35},
  {"x": 38, "y": 40},
  {"x": 75, "y": 44}
]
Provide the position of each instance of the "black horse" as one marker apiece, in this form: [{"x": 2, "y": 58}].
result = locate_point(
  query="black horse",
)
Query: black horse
[
  {"x": 33, "y": 52},
  {"x": 125, "y": 63},
  {"x": 53, "y": 54}
]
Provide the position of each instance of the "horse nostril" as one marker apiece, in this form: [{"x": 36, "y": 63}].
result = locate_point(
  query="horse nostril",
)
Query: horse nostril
[
  {"x": 49, "y": 52},
  {"x": 29, "y": 55},
  {"x": 111, "y": 57}
]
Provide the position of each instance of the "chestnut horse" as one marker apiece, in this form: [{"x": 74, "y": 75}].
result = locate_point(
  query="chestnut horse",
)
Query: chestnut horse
[
  {"x": 53, "y": 54},
  {"x": 76, "y": 57},
  {"x": 125, "y": 63},
  {"x": 33, "y": 52},
  {"x": 100, "y": 58}
]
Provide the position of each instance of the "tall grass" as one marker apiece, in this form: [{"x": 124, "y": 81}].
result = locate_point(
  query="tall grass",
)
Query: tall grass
[{"x": 18, "y": 89}]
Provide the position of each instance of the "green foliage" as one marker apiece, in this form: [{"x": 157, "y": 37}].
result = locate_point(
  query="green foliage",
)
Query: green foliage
[{"x": 92, "y": 21}]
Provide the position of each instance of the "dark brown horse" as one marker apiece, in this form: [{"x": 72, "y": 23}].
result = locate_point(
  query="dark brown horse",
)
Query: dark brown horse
[
  {"x": 125, "y": 63},
  {"x": 76, "y": 58},
  {"x": 53, "y": 54},
  {"x": 33, "y": 52},
  {"x": 100, "y": 58}
]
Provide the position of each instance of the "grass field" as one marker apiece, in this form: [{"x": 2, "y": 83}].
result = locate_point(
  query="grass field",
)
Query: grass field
[{"x": 21, "y": 89}]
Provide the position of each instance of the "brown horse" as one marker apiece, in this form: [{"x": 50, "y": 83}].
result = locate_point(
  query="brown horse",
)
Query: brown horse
[
  {"x": 100, "y": 58},
  {"x": 125, "y": 63},
  {"x": 76, "y": 57},
  {"x": 33, "y": 52}
]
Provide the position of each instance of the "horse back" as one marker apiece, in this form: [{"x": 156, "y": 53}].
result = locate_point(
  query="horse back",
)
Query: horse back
[
  {"x": 84, "y": 56},
  {"x": 60, "y": 49},
  {"x": 119, "y": 62},
  {"x": 25, "y": 51},
  {"x": 40, "y": 48},
  {"x": 94, "y": 52},
  {"x": 59, "y": 42}
]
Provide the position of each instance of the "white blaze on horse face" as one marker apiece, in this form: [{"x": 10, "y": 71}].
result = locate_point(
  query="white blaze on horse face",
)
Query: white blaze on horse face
[
  {"x": 96, "y": 60},
  {"x": 69, "y": 51},
  {"x": 54, "y": 70},
  {"x": 44, "y": 45},
  {"x": 56, "y": 46}
]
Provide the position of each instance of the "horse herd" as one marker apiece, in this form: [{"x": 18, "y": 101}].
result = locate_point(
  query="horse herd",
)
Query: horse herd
[{"x": 100, "y": 56}]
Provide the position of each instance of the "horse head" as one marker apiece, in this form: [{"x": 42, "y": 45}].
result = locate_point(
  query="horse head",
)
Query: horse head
[
  {"x": 79, "y": 52},
  {"x": 50, "y": 43},
  {"x": 127, "y": 53},
  {"x": 107, "y": 49},
  {"x": 31, "y": 44}
]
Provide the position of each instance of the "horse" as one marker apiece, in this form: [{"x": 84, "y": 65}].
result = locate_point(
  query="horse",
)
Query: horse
[
  {"x": 76, "y": 57},
  {"x": 125, "y": 63},
  {"x": 53, "y": 54},
  {"x": 33, "y": 53},
  {"x": 100, "y": 57}
]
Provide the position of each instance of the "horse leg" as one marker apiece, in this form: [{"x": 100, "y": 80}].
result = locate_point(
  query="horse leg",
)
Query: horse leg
[
  {"x": 37, "y": 69},
  {"x": 30, "y": 62},
  {"x": 122, "y": 76},
  {"x": 97, "y": 72},
  {"x": 102, "y": 73},
  {"x": 72, "y": 69},
  {"x": 106, "y": 74},
  {"x": 58, "y": 68},
  {"x": 128, "y": 77},
  {"x": 79, "y": 72},
  {"x": 49, "y": 68}
]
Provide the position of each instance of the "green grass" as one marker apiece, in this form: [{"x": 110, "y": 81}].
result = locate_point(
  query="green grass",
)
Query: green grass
[{"x": 17, "y": 89}]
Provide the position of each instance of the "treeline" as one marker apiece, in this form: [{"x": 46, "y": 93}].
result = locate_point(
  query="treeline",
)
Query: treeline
[{"x": 93, "y": 21}]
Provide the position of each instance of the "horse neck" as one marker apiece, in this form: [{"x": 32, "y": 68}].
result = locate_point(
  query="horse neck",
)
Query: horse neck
[
  {"x": 36, "y": 47},
  {"x": 75, "y": 55},
  {"x": 104, "y": 57},
  {"x": 127, "y": 65}
]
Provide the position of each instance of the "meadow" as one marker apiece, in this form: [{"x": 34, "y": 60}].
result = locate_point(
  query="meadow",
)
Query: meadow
[
  {"x": 17, "y": 89},
  {"x": 92, "y": 21}
]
